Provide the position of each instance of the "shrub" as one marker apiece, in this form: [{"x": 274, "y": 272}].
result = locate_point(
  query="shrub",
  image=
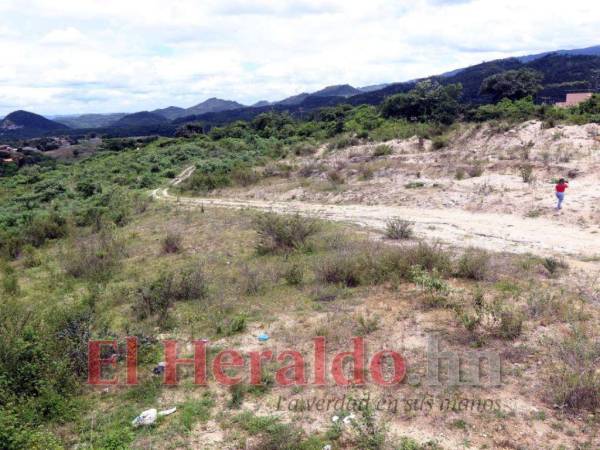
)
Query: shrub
[
  {"x": 283, "y": 233},
  {"x": 473, "y": 264},
  {"x": 95, "y": 257},
  {"x": 205, "y": 182},
  {"x": 414, "y": 185},
  {"x": 366, "y": 325},
  {"x": 382, "y": 150},
  {"x": 553, "y": 265},
  {"x": 10, "y": 282},
  {"x": 511, "y": 324},
  {"x": 231, "y": 325},
  {"x": 526, "y": 171},
  {"x": 294, "y": 274},
  {"x": 460, "y": 173},
  {"x": 574, "y": 380},
  {"x": 341, "y": 268},
  {"x": 245, "y": 176},
  {"x": 439, "y": 142},
  {"x": 172, "y": 242},
  {"x": 476, "y": 170},
  {"x": 159, "y": 295},
  {"x": 397, "y": 228},
  {"x": 336, "y": 176},
  {"x": 429, "y": 257}
]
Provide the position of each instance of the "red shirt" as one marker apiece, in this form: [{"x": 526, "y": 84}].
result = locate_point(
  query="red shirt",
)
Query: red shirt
[{"x": 561, "y": 187}]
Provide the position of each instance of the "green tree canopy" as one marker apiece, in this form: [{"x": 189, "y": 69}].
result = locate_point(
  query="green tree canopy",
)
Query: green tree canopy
[
  {"x": 512, "y": 84},
  {"x": 428, "y": 101}
]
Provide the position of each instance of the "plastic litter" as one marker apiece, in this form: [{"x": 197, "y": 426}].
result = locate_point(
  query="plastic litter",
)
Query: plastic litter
[
  {"x": 149, "y": 416},
  {"x": 159, "y": 369},
  {"x": 167, "y": 412},
  {"x": 263, "y": 337}
]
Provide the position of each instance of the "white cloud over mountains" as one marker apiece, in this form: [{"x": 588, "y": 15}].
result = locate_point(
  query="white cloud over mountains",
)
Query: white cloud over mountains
[{"x": 73, "y": 56}]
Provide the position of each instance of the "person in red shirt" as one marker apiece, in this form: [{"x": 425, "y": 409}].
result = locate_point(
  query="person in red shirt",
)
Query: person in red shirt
[{"x": 560, "y": 191}]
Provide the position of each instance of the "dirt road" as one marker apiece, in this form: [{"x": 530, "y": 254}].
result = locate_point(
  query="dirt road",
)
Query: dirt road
[{"x": 497, "y": 232}]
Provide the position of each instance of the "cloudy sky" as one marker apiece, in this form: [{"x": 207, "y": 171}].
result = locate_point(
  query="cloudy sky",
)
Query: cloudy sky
[{"x": 78, "y": 56}]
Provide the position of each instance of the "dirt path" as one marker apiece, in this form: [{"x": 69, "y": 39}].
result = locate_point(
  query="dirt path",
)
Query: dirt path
[{"x": 497, "y": 232}]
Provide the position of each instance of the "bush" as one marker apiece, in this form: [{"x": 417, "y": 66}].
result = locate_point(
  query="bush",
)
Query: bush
[
  {"x": 574, "y": 381},
  {"x": 397, "y": 228},
  {"x": 294, "y": 274},
  {"x": 476, "y": 170},
  {"x": 336, "y": 176},
  {"x": 94, "y": 257},
  {"x": 553, "y": 265},
  {"x": 245, "y": 176},
  {"x": 344, "y": 267},
  {"x": 172, "y": 242},
  {"x": 382, "y": 150},
  {"x": 278, "y": 233},
  {"x": 526, "y": 171},
  {"x": 439, "y": 142},
  {"x": 473, "y": 264},
  {"x": 157, "y": 297}
]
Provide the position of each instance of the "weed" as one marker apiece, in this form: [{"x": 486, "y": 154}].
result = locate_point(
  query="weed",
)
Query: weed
[
  {"x": 294, "y": 274},
  {"x": 397, "y": 228},
  {"x": 473, "y": 264},
  {"x": 414, "y": 185},
  {"x": 94, "y": 257},
  {"x": 574, "y": 379},
  {"x": 172, "y": 242},
  {"x": 439, "y": 142},
  {"x": 526, "y": 171},
  {"x": 382, "y": 150},
  {"x": 283, "y": 233},
  {"x": 366, "y": 325},
  {"x": 554, "y": 265}
]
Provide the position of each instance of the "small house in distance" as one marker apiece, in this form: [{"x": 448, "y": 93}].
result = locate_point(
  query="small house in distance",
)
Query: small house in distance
[{"x": 574, "y": 99}]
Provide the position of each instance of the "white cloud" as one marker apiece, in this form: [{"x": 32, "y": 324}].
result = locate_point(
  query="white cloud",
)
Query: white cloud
[
  {"x": 61, "y": 56},
  {"x": 63, "y": 36}
]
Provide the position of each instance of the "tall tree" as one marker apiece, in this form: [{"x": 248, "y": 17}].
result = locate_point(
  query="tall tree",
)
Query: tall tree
[{"x": 512, "y": 84}]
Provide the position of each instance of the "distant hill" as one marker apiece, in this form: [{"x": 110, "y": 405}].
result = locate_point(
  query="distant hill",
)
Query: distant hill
[
  {"x": 294, "y": 99},
  {"x": 140, "y": 119},
  {"x": 24, "y": 124},
  {"x": 342, "y": 90},
  {"x": 588, "y": 51},
  {"x": 261, "y": 104},
  {"x": 213, "y": 105},
  {"x": 374, "y": 87},
  {"x": 89, "y": 120},
  {"x": 207, "y": 106},
  {"x": 170, "y": 113}
]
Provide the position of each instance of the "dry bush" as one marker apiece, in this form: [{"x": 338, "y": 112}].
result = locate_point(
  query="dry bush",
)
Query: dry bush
[
  {"x": 526, "y": 171},
  {"x": 397, "y": 228},
  {"x": 382, "y": 150},
  {"x": 96, "y": 256},
  {"x": 281, "y": 233},
  {"x": 476, "y": 170},
  {"x": 473, "y": 264},
  {"x": 172, "y": 242},
  {"x": 308, "y": 170},
  {"x": 335, "y": 176},
  {"x": 574, "y": 381},
  {"x": 156, "y": 298}
]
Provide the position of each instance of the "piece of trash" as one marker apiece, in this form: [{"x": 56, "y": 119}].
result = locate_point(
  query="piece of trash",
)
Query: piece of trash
[
  {"x": 263, "y": 337},
  {"x": 166, "y": 412},
  {"x": 147, "y": 417},
  {"x": 335, "y": 418},
  {"x": 327, "y": 447},
  {"x": 348, "y": 419},
  {"x": 159, "y": 369}
]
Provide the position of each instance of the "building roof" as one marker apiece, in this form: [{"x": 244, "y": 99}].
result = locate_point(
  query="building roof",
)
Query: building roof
[{"x": 575, "y": 98}]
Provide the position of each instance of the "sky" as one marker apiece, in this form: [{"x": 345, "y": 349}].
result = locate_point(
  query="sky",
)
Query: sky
[{"x": 84, "y": 56}]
